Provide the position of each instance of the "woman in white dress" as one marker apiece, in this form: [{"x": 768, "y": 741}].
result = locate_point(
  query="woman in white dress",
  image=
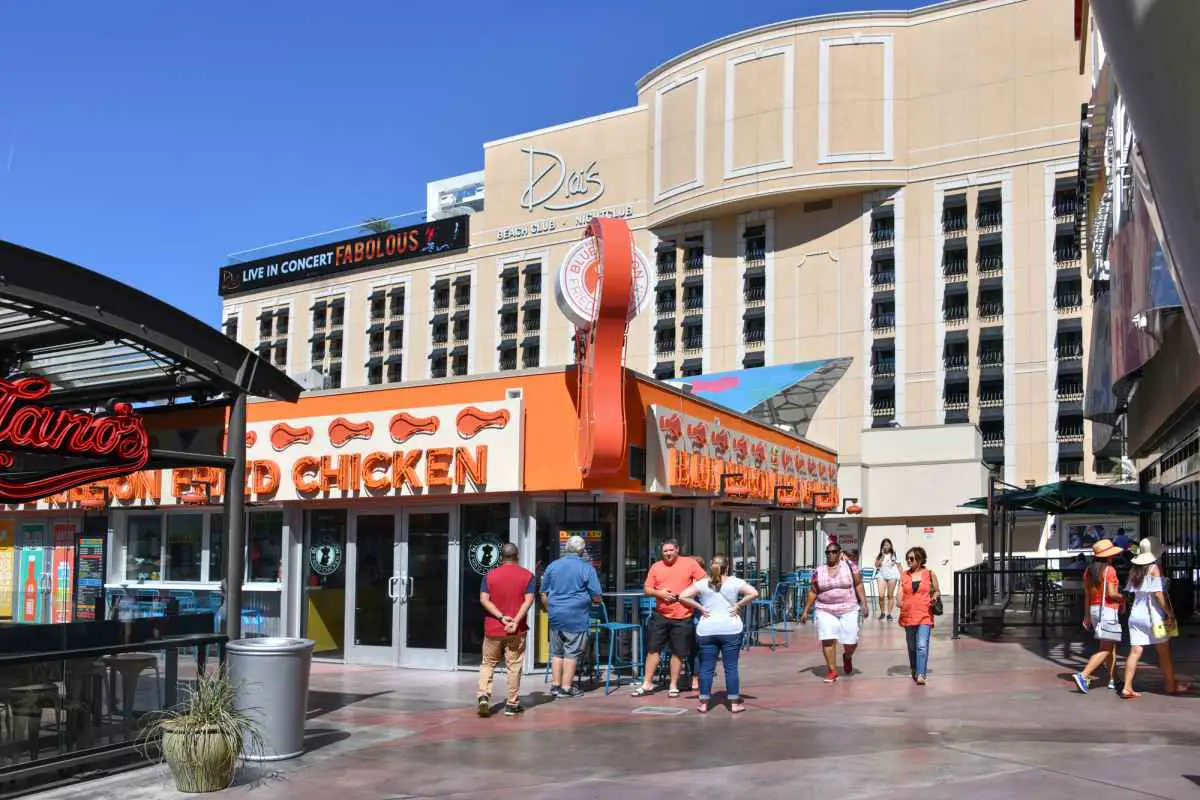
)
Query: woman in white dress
[
  {"x": 887, "y": 568},
  {"x": 1149, "y": 617}
]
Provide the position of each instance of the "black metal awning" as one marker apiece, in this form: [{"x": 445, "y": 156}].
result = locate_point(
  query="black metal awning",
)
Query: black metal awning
[{"x": 95, "y": 338}]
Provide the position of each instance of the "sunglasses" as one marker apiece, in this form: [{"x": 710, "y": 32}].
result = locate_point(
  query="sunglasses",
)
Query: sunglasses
[
  {"x": 833, "y": 552},
  {"x": 910, "y": 560}
]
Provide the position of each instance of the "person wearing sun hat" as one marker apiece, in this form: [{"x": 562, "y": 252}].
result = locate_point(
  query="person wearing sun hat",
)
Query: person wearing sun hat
[
  {"x": 1150, "y": 619},
  {"x": 1102, "y": 605}
]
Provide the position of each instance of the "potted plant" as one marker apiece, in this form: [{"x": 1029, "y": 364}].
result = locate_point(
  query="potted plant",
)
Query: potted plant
[{"x": 204, "y": 739}]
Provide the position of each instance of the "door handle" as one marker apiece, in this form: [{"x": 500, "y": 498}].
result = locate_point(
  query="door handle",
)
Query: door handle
[
  {"x": 393, "y": 588},
  {"x": 410, "y": 588}
]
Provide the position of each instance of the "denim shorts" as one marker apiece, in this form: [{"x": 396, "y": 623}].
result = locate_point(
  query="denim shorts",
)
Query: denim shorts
[{"x": 567, "y": 644}]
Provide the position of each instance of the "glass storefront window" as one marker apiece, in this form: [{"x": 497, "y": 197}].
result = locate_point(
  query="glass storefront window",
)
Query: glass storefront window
[
  {"x": 143, "y": 561},
  {"x": 637, "y": 545},
  {"x": 721, "y": 538},
  {"x": 185, "y": 547},
  {"x": 484, "y": 529},
  {"x": 216, "y": 547},
  {"x": 264, "y": 544}
]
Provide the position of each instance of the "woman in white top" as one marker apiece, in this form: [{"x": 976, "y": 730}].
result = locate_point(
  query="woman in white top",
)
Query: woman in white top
[
  {"x": 887, "y": 568},
  {"x": 1149, "y": 617},
  {"x": 719, "y": 599}
]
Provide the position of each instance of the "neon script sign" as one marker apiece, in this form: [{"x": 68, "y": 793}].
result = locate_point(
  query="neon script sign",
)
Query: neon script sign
[
  {"x": 118, "y": 437},
  {"x": 550, "y": 180}
]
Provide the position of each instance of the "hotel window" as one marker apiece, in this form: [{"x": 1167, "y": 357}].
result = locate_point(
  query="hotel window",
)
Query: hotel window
[
  {"x": 756, "y": 245},
  {"x": 665, "y": 258},
  {"x": 230, "y": 326},
  {"x": 437, "y": 366},
  {"x": 273, "y": 335},
  {"x": 458, "y": 364},
  {"x": 385, "y": 335},
  {"x": 520, "y": 314},
  {"x": 328, "y": 317}
]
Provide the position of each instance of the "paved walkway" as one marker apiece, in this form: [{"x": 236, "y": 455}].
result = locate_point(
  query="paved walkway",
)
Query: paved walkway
[{"x": 997, "y": 720}]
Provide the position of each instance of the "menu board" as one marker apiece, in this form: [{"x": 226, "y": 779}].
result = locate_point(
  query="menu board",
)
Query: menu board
[
  {"x": 595, "y": 545},
  {"x": 89, "y": 576}
]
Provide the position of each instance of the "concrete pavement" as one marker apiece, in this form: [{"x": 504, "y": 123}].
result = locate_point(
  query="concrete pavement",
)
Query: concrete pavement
[{"x": 997, "y": 720}]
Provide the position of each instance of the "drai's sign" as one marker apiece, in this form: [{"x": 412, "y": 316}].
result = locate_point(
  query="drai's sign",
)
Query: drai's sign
[
  {"x": 562, "y": 223},
  {"x": 555, "y": 187}
]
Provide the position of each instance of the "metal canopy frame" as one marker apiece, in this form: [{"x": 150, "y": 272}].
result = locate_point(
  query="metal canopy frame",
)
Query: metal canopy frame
[{"x": 96, "y": 339}]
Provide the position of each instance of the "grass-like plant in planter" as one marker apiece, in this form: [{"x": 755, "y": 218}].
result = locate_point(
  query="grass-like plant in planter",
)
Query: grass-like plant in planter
[{"x": 203, "y": 740}]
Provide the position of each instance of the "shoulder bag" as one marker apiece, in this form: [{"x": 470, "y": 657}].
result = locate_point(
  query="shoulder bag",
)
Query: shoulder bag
[
  {"x": 935, "y": 607},
  {"x": 1108, "y": 630},
  {"x": 1163, "y": 629}
]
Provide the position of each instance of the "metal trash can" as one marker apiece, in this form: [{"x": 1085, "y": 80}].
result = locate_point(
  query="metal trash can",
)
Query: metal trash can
[
  {"x": 991, "y": 618},
  {"x": 270, "y": 676}
]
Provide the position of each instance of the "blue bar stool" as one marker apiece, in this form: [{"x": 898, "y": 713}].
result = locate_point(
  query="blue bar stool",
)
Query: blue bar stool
[{"x": 614, "y": 630}]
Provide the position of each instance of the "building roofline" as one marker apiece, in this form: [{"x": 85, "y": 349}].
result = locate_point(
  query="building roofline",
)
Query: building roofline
[
  {"x": 565, "y": 125},
  {"x": 840, "y": 16}
]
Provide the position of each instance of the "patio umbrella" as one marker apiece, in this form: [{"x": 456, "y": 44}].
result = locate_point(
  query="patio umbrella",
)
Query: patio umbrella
[{"x": 1075, "y": 497}]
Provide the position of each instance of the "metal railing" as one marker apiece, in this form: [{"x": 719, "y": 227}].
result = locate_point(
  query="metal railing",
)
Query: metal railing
[
  {"x": 56, "y": 680},
  {"x": 884, "y": 368},
  {"x": 957, "y": 402},
  {"x": 954, "y": 363},
  {"x": 991, "y": 399},
  {"x": 1068, "y": 352},
  {"x": 954, "y": 223},
  {"x": 754, "y": 335},
  {"x": 883, "y": 277},
  {"x": 991, "y": 310},
  {"x": 1047, "y": 593},
  {"x": 883, "y": 320},
  {"x": 1068, "y": 301},
  {"x": 989, "y": 219},
  {"x": 883, "y": 235},
  {"x": 955, "y": 314},
  {"x": 954, "y": 268},
  {"x": 991, "y": 358}
]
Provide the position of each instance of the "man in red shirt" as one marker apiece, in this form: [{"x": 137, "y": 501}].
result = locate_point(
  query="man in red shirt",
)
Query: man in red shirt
[
  {"x": 506, "y": 596},
  {"x": 672, "y": 620}
]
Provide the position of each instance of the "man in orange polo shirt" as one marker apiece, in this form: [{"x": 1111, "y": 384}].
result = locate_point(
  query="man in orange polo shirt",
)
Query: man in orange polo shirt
[{"x": 672, "y": 621}]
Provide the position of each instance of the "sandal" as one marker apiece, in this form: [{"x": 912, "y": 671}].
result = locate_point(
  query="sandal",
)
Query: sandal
[
  {"x": 672, "y": 693},
  {"x": 737, "y": 707},
  {"x": 641, "y": 691},
  {"x": 1129, "y": 694},
  {"x": 702, "y": 707},
  {"x": 1181, "y": 689}
]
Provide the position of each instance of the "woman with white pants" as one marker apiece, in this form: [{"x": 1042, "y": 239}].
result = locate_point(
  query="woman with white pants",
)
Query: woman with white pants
[{"x": 837, "y": 592}]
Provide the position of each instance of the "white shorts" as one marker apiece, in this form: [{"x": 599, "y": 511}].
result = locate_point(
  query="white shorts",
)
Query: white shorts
[
  {"x": 889, "y": 574},
  {"x": 844, "y": 628}
]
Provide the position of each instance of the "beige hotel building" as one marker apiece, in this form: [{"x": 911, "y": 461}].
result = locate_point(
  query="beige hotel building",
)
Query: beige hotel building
[{"x": 890, "y": 194}]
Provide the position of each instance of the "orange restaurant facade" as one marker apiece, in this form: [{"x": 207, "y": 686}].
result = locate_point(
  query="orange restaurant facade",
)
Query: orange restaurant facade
[{"x": 374, "y": 513}]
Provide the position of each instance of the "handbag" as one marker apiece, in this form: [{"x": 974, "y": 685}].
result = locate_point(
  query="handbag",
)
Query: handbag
[
  {"x": 1108, "y": 630},
  {"x": 935, "y": 606},
  {"x": 1162, "y": 629}
]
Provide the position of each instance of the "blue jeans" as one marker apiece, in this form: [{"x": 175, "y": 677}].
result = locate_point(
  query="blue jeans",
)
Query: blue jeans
[
  {"x": 918, "y": 647},
  {"x": 729, "y": 646}
]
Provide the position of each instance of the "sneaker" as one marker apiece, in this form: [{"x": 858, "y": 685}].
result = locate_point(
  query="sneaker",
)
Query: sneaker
[
  {"x": 920, "y": 680},
  {"x": 889, "y": 617},
  {"x": 831, "y": 676},
  {"x": 1081, "y": 682},
  {"x": 1112, "y": 686},
  {"x": 847, "y": 664},
  {"x": 555, "y": 691},
  {"x": 574, "y": 691},
  {"x": 513, "y": 709},
  {"x": 484, "y": 706}
]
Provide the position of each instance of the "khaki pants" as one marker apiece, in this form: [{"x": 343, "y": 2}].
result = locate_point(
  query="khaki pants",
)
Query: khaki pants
[{"x": 512, "y": 648}]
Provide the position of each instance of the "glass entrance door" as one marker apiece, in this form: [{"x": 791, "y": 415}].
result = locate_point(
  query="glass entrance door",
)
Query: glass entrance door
[
  {"x": 428, "y": 631},
  {"x": 375, "y": 575}
]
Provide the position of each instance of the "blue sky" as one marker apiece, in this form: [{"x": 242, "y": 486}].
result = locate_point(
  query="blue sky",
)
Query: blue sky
[{"x": 147, "y": 139}]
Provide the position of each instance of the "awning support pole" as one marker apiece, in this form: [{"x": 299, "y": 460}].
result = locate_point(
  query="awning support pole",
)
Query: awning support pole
[{"x": 235, "y": 516}]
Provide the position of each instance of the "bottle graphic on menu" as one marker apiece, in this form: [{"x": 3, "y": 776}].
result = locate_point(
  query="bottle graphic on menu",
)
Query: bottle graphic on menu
[
  {"x": 62, "y": 593},
  {"x": 31, "y": 591}
]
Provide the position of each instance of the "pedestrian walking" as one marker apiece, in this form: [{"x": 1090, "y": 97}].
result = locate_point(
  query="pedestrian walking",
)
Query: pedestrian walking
[
  {"x": 671, "y": 623},
  {"x": 719, "y": 600},
  {"x": 919, "y": 591},
  {"x": 887, "y": 570},
  {"x": 1151, "y": 620},
  {"x": 506, "y": 595},
  {"x": 837, "y": 592},
  {"x": 1102, "y": 607},
  {"x": 569, "y": 587}
]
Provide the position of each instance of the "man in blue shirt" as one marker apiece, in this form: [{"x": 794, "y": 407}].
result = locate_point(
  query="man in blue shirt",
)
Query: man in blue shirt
[{"x": 569, "y": 585}]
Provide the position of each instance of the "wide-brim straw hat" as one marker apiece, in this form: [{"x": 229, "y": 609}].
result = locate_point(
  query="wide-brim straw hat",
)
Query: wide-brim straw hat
[
  {"x": 1105, "y": 549},
  {"x": 1145, "y": 551}
]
